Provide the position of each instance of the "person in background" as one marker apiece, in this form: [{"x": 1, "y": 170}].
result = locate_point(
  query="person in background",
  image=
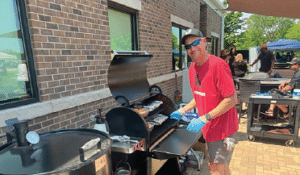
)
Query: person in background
[
  {"x": 287, "y": 86},
  {"x": 239, "y": 66},
  {"x": 224, "y": 55},
  {"x": 215, "y": 98},
  {"x": 267, "y": 60},
  {"x": 232, "y": 54}
]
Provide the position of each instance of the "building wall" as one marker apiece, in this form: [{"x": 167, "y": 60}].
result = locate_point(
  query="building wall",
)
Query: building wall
[
  {"x": 71, "y": 47},
  {"x": 210, "y": 21}
]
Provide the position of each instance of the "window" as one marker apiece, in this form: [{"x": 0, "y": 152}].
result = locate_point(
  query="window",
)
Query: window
[
  {"x": 179, "y": 54},
  {"x": 214, "y": 46},
  {"x": 17, "y": 75},
  {"x": 122, "y": 28}
]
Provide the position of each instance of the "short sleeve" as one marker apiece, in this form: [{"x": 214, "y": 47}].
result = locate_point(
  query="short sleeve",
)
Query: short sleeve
[
  {"x": 295, "y": 81},
  {"x": 224, "y": 80}
]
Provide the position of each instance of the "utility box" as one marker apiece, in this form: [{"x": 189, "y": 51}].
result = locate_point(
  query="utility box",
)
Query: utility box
[{"x": 187, "y": 94}]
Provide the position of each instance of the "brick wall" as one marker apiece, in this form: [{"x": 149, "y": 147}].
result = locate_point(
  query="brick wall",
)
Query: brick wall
[
  {"x": 71, "y": 47},
  {"x": 210, "y": 21},
  {"x": 77, "y": 117},
  {"x": 155, "y": 34}
]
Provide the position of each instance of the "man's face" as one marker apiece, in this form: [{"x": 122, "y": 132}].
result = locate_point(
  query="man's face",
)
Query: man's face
[
  {"x": 196, "y": 52},
  {"x": 294, "y": 67}
]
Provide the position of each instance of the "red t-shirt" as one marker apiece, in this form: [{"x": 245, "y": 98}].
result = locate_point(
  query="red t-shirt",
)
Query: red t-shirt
[{"x": 215, "y": 83}]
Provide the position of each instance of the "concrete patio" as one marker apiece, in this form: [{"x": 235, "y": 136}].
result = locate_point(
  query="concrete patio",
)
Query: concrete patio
[{"x": 261, "y": 157}]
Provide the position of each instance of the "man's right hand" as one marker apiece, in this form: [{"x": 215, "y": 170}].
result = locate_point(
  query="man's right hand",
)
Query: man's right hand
[
  {"x": 281, "y": 86},
  {"x": 176, "y": 115}
]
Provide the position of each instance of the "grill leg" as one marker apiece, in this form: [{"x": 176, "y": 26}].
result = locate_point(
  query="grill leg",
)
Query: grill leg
[{"x": 198, "y": 161}]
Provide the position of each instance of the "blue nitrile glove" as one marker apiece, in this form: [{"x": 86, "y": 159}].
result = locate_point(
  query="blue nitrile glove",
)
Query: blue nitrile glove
[
  {"x": 196, "y": 125},
  {"x": 176, "y": 115}
]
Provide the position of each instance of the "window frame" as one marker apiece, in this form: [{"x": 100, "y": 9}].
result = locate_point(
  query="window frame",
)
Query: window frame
[
  {"x": 26, "y": 39},
  {"x": 133, "y": 20},
  {"x": 180, "y": 45}
]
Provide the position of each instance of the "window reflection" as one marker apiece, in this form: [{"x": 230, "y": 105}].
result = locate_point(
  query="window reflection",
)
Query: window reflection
[{"x": 14, "y": 81}]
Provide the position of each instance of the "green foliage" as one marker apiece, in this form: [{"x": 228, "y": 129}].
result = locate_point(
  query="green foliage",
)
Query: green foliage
[
  {"x": 263, "y": 29},
  {"x": 175, "y": 44},
  {"x": 232, "y": 24},
  {"x": 293, "y": 32}
]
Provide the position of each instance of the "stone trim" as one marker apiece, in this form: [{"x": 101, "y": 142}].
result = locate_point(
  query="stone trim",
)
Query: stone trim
[
  {"x": 214, "y": 34},
  {"x": 133, "y": 4},
  {"x": 182, "y": 22}
]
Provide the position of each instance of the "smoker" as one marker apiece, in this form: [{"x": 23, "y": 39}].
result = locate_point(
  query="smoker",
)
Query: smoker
[
  {"x": 145, "y": 139},
  {"x": 57, "y": 152}
]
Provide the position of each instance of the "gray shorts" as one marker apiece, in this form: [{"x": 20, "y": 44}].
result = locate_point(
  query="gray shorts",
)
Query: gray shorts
[{"x": 218, "y": 152}]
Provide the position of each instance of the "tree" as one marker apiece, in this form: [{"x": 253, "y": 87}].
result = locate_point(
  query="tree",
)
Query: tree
[
  {"x": 232, "y": 23},
  {"x": 293, "y": 32},
  {"x": 263, "y": 29},
  {"x": 175, "y": 44}
]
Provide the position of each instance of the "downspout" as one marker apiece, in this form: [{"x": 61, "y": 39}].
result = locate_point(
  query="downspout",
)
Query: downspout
[{"x": 222, "y": 33}]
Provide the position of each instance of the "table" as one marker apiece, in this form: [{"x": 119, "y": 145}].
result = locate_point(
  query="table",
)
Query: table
[
  {"x": 261, "y": 130},
  {"x": 265, "y": 84}
]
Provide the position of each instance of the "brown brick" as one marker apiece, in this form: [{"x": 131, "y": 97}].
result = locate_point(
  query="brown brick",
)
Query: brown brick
[
  {"x": 51, "y": 71},
  {"x": 58, "y": 77},
  {"x": 35, "y": 9},
  {"x": 50, "y": 12},
  {"x": 55, "y": 7},
  {"x": 57, "y": 20},
  {"x": 46, "y": 91},
  {"x": 46, "y": 32},
  {"x": 41, "y": 52},
  {"x": 48, "y": 45},
  {"x": 44, "y": 18},
  {"x": 47, "y": 123},
  {"x": 53, "y": 84},
  {"x": 63, "y": 27},
  {"x": 68, "y": 22},
  {"x": 53, "y": 127},
  {"x": 78, "y": 12},
  {"x": 59, "y": 33},
  {"x": 66, "y": 52},
  {"x": 55, "y": 52},
  {"x": 44, "y": 78},
  {"x": 60, "y": 46},
  {"x": 51, "y": 26},
  {"x": 50, "y": 59},
  {"x": 39, "y": 24},
  {"x": 65, "y": 40},
  {"x": 45, "y": 97},
  {"x": 54, "y": 96}
]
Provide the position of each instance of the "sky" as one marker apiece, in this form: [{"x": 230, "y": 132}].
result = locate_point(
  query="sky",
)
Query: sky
[{"x": 10, "y": 23}]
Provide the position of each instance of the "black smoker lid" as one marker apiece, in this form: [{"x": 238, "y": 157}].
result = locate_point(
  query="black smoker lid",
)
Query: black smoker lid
[
  {"x": 127, "y": 74},
  {"x": 57, "y": 151}
]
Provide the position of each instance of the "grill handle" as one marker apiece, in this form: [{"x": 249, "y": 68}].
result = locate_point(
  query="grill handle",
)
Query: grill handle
[
  {"x": 129, "y": 52},
  {"x": 89, "y": 149}
]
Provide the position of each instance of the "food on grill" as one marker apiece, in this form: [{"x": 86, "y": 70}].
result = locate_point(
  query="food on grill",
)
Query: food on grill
[{"x": 142, "y": 112}]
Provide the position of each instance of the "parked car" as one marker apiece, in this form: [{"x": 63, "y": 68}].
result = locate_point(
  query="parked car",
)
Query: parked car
[{"x": 282, "y": 57}]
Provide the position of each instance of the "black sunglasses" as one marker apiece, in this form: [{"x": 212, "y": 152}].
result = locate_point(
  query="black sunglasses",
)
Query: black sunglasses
[{"x": 195, "y": 43}]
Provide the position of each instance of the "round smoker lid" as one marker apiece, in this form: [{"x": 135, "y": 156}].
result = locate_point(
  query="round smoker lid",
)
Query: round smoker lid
[{"x": 57, "y": 151}]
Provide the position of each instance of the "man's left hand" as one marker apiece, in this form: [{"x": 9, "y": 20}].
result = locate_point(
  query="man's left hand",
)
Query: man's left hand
[
  {"x": 269, "y": 72},
  {"x": 197, "y": 124}
]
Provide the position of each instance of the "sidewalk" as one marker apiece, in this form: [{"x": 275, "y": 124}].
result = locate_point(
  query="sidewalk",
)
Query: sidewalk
[{"x": 261, "y": 157}]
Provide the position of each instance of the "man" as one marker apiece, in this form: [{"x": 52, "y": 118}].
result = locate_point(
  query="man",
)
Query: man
[
  {"x": 267, "y": 60},
  {"x": 215, "y": 98},
  {"x": 287, "y": 86}
]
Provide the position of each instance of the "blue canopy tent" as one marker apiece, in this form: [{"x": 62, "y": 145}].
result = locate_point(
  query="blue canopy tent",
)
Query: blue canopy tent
[{"x": 284, "y": 45}]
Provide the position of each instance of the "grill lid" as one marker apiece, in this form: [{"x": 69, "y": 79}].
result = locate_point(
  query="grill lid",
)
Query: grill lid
[
  {"x": 127, "y": 74},
  {"x": 57, "y": 151}
]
